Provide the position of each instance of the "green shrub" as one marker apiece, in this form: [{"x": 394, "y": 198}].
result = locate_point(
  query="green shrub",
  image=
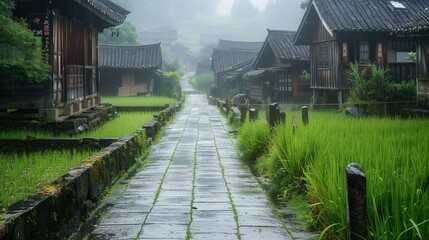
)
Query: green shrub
[
  {"x": 169, "y": 85},
  {"x": 204, "y": 82},
  {"x": 368, "y": 91},
  {"x": 253, "y": 140}
]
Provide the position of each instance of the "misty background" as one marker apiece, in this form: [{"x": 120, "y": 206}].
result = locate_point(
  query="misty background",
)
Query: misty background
[{"x": 199, "y": 22}]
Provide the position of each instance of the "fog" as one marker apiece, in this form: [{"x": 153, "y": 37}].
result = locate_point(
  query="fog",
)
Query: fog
[{"x": 199, "y": 21}]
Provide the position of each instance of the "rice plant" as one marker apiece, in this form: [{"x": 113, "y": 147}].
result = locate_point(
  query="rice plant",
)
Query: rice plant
[
  {"x": 139, "y": 101},
  {"x": 124, "y": 125},
  {"x": 253, "y": 140},
  {"x": 22, "y": 175},
  {"x": 393, "y": 154}
]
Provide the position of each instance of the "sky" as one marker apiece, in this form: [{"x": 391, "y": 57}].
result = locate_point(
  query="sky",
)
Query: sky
[{"x": 224, "y": 6}]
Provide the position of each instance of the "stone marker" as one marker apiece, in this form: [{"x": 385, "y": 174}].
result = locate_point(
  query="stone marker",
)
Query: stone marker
[{"x": 356, "y": 202}]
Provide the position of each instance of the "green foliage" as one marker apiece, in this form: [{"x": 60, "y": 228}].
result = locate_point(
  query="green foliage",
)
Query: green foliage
[
  {"x": 127, "y": 35},
  {"x": 169, "y": 85},
  {"x": 125, "y": 124},
  {"x": 253, "y": 140},
  {"x": 391, "y": 152},
  {"x": 403, "y": 91},
  {"x": 139, "y": 101},
  {"x": 291, "y": 154},
  {"x": 23, "y": 174},
  {"x": 204, "y": 82},
  {"x": 20, "y": 51},
  {"x": 305, "y": 76},
  {"x": 368, "y": 91}
]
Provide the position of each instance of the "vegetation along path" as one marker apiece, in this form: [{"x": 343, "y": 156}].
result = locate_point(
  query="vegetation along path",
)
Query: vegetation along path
[{"x": 193, "y": 187}]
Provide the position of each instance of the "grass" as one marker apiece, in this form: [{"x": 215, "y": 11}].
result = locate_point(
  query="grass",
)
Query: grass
[
  {"x": 139, "y": 101},
  {"x": 253, "y": 140},
  {"x": 23, "y": 174},
  {"x": 393, "y": 155},
  {"x": 203, "y": 82},
  {"x": 125, "y": 124}
]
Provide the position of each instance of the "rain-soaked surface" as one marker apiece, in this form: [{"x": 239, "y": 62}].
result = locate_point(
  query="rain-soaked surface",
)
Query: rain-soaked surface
[{"x": 194, "y": 187}]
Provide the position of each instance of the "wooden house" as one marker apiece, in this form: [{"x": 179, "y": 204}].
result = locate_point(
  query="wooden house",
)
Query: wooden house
[
  {"x": 224, "y": 63},
  {"x": 419, "y": 27},
  {"x": 204, "y": 67},
  {"x": 362, "y": 32},
  {"x": 278, "y": 68},
  {"x": 69, "y": 32},
  {"x": 230, "y": 61},
  {"x": 129, "y": 70}
]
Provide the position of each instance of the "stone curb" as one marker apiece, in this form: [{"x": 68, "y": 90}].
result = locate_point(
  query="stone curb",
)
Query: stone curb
[{"x": 57, "y": 210}]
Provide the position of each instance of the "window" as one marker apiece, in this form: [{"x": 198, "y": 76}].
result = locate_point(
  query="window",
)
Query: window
[
  {"x": 285, "y": 83},
  {"x": 403, "y": 57},
  {"x": 323, "y": 60},
  {"x": 364, "y": 52}
]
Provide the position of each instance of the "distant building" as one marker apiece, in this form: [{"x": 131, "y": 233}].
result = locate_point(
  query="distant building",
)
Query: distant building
[
  {"x": 277, "y": 70},
  {"x": 362, "y": 32},
  {"x": 129, "y": 70},
  {"x": 69, "y": 31}
]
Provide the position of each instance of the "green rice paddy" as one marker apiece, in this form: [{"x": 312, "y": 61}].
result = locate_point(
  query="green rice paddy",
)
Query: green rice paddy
[{"x": 139, "y": 101}]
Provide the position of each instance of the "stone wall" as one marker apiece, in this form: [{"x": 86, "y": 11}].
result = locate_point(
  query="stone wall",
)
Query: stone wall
[{"x": 57, "y": 210}]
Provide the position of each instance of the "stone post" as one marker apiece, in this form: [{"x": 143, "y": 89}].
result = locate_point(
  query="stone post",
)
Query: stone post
[
  {"x": 356, "y": 202},
  {"x": 273, "y": 114},
  {"x": 243, "y": 113},
  {"x": 304, "y": 111},
  {"x": 253, "y": 114}
]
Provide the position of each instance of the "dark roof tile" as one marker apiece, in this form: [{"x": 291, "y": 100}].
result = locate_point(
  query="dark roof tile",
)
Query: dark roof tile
[
  {"x": 240, "y": 45},
  {"x": 223, "y": 59},
  {"x": 130, "y": 57},
  {"x": 284, "y": 48}
]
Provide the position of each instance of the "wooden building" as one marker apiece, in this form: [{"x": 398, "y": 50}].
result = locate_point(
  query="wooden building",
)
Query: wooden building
[
  {"x": 129, "y": 70},
  {"x": 363, "y": 32},
  {"x": 278, "y": 68},
  {"x": 420, "y": 28},
  {"x": 224, "y": 63},
  {"x": 69, "y": 32}
]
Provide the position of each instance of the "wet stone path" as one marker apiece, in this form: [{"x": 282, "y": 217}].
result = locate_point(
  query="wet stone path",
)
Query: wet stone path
[{"x": 193, "y": 187}]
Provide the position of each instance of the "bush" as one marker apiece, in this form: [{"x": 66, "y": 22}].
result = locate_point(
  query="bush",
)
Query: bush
[
  {"x": 253, "y": 140},
  {"x": 169, "y": 85},
  {"x": 368, "y": 91},
  {"x": 204, "y": 82}
]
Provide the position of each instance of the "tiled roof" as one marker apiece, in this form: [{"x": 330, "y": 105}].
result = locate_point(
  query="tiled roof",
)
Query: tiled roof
[
  {"x": 109, "y": 9},
  {"x": 130, "y": 57},
  {"x": 223, "y": 59},
  {"x": 364, "y": 15},
  {"x": 284, "y": 48},
  {"x": 240, "y": 45}
]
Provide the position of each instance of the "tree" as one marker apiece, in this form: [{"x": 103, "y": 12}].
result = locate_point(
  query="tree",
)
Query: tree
[
  {"x": 21, "y": 56},
  {"x": 283, "y": 15},
  {"x": 169, "y": 85},
  {"x": 304, "y": 4},
  {"x": 124, "y": 34},
  {"x": 243, "y": 9}
]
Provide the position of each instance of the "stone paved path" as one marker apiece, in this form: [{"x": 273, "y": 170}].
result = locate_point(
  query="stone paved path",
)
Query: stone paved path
[{"x": 193, "y": 187}]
